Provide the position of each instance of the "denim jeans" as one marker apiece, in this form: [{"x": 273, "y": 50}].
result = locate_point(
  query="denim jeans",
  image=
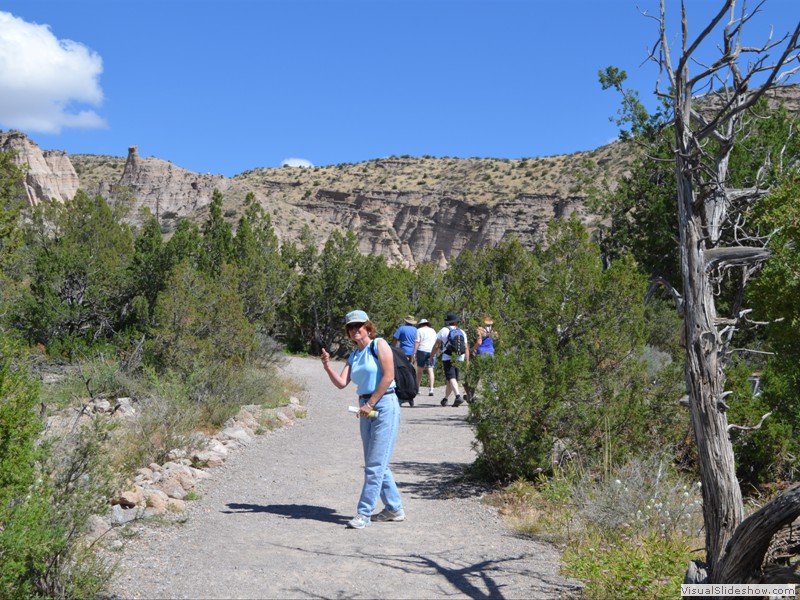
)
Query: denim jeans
[{"x": 378, "y": 437}]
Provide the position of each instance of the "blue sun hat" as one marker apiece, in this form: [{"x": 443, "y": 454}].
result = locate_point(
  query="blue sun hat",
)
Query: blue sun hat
[{"x": 355, "y": 316}]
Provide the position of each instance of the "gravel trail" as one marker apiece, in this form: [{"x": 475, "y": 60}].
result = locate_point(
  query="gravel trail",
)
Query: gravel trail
[{"x": 270, "y": 523}]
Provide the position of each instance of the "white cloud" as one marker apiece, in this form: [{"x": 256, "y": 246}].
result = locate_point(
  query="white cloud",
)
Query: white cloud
[
  {"x": 46, "y": 84},
  {"x": 296, "y": 162}
]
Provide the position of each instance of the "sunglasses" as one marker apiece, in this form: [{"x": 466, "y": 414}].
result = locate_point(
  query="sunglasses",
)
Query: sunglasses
[{"x": 354, "y": 326}]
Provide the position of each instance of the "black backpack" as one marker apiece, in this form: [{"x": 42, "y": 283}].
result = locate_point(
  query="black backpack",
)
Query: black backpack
[
  {"x": 455, "y": 343},
  {"x": 405, "y": 376}
]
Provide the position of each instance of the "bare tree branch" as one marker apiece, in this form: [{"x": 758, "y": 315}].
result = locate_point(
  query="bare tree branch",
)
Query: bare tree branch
[
  {"x": 657, "y": 282},
  {"x": 722, "y": 258},
  {"x": 753, "y": 428},
  {"x": 688, "y": 52}
]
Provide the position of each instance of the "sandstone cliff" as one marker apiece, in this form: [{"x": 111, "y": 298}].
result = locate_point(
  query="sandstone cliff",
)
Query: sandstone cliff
[
  {"x": 409, "y": 210},
  {"x": 413, "y": 227},
  {"x": 162, "y": 187},
  {"x": 49, "y": 174}
]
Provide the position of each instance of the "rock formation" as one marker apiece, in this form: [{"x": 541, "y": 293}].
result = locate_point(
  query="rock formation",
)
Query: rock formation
[
  {"x": 162, "y": 187},
  {"x": 49, "y": 174}
]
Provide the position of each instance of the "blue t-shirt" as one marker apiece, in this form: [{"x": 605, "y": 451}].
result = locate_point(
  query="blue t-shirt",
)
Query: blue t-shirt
[
  {"x": 365, "y": 369},
  {"x": 407, "y": 336}
]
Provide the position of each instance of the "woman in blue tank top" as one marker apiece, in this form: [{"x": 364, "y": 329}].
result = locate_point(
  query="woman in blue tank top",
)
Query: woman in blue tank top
[
  {"x": 374, "y": 379},
  {"x": 482, "y": 348},
  {"x": 484, "y": 340}
]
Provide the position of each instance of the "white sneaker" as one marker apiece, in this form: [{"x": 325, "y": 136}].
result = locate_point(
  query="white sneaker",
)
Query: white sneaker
[
  {"x": 390, "y": 515},
  {"x": 358, "y": 522}
]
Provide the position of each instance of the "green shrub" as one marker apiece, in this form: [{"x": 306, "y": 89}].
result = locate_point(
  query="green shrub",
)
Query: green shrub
[
  {"x": 19, "y": 425},
  {"x": 170, "y": 406},
  {"x": 508, "y": 416},
  {"x": 199, "y": 321},
  {"x": 572, "y": 371},
  {"x": 164, "y": 420},
  {"x": 768, "y": 453},
  {"x": 621, "y": 567},
  {"x": 100, "y": 377},
  {"x": 48, "y": 490},
  {"x": 773, "y": 295},
  {"x": 79, "y": 252}
]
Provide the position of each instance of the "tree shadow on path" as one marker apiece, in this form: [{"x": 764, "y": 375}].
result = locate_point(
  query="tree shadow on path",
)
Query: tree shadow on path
[
  {"x": 291, "y": 511},
  {"x": 478, "y": 580},
  {"x": 437, "y": 481}
]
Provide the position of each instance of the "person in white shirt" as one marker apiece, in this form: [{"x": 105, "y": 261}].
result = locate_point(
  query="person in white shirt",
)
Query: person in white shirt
[
  {"x": 426, "y": 338},
  {"x": 450, "y": 363}
]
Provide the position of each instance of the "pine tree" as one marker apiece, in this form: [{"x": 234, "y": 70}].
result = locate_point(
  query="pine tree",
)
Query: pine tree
[{"x": 217, "y": 244}]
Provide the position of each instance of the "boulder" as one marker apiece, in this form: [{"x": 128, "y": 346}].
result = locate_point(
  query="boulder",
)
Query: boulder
[{"x": 130, "y": 498}]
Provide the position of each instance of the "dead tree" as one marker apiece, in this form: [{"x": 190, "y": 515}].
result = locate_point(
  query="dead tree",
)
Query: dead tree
[{"x": 705, "y": 133}]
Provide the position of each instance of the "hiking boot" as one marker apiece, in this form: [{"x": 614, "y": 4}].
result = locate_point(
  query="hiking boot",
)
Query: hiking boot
[
  {"x": 390, "y": 515},
  {"x": 443, "y": 402},
  {"x": 411, "y": 403},
  {"x": 358, "y": 522},
  {"x": 458, "y": 402}
]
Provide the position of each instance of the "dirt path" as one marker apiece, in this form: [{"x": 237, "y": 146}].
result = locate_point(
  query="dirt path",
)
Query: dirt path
[{"x": 271, "y": 522}]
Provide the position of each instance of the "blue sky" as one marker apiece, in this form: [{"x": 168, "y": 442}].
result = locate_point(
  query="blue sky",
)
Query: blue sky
[{"x": 230, "y": 85}]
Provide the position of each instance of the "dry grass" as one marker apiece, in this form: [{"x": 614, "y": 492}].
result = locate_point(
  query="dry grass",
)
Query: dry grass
[
  {"x": 93, "y": 169},
  {"x": 629, "y": 535},
  {"x": 476, "y": 180}
]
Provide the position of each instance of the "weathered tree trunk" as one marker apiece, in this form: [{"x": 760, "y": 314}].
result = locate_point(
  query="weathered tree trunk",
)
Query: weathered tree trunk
[
  {"x": 704, "y": 370},
  {"x": 731, "y": 557},
  {"x": 705, "y": 381}
]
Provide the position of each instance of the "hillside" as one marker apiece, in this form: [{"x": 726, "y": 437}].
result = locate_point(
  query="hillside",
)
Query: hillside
[
  {"x": 407, "y": 209},
  {"x": 481, "y": 180}
]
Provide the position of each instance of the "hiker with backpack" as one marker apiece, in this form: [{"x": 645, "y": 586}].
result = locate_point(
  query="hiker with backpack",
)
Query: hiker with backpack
[
  {"x": 378, "y": 414},
  {"x": 453, "y": 342}
]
